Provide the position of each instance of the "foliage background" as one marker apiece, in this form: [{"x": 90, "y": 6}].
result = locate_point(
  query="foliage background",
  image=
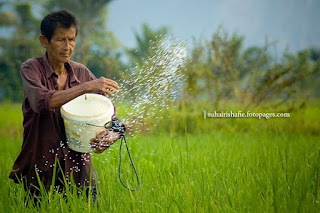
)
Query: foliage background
[
  {"x": 186, "y": 162},
  {"x": 218, "y": 69}
]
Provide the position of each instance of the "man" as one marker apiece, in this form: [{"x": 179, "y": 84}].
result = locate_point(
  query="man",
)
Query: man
[{"x": 49, "y": 82}]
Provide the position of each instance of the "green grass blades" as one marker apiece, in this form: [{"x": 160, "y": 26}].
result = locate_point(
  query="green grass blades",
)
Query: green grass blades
[{"x": 256, "y": 170}]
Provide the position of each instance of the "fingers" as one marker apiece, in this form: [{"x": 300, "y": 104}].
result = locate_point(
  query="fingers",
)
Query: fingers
[
  {"x": 107, "y": 136},
  {"x": 114, "y": 85},
  {"x": 110, "y": 82},
  {"x": 98, "y": 146},
  {"x": 96, "y": 143},
  {"x": 108, "y": 92},
  {"x": 103, "y": 85},
  {"x": 109, "y": 87},
  {"x": 110, "y": 137},
  {"x": 102, "y": 134},
  {"x": 104, "y": 140}
]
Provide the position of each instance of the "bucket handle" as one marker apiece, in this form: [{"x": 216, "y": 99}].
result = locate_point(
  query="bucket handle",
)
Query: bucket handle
[{"x": 117, "y": 126}]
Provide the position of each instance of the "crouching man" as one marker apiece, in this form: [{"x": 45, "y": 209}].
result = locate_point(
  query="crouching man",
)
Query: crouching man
[{"x": 49, "y": 82}]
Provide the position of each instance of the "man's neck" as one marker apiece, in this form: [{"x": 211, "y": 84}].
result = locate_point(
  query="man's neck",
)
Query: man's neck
[{"x": 58, "y": 68}]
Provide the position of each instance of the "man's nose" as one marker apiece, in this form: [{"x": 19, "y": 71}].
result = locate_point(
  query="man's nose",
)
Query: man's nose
[{"x": 66, "y": 45}]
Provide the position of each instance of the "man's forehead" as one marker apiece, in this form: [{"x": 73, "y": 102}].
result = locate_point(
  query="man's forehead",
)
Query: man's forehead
[{"x": 61, "y": 31}]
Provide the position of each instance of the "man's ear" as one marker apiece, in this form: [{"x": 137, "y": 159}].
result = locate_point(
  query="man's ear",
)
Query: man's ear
[{"x": 43, "y": 41}]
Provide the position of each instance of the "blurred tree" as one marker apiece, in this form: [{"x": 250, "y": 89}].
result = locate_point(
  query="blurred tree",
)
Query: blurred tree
[
  {"x": 102, "y": 64},
  {"x": 225, "y": 59},
  {"x": 280, "y": 82},
  {"x": 314, "y": 53},
  {"x": 17, "y": 44},
  {"x": 196, "y": 64},
  {"x": 219, "y": 70},
  {"x": 20, "y": 42},
  {"x": 313, "y": 81},
  {"x": 212, "y": 72},
  {"x": 154, "y": 73},
  {"x": 254, "y": 64},
  {"x": 147, "y": 44}
]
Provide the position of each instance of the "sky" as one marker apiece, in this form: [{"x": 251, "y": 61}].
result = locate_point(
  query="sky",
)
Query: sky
[{"x": 292, "y": 23}]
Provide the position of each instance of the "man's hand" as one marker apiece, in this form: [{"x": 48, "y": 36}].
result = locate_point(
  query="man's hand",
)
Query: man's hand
[
  {"x": 103, "y": 141},
  {"x": 103, "y": 85}
]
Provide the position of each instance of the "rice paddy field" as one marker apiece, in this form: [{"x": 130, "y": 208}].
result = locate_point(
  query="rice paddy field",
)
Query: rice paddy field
[{"x": 244, "y": 165}]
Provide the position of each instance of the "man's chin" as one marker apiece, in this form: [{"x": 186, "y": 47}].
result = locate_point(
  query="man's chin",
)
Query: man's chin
[{"x": 65, "y": 59}]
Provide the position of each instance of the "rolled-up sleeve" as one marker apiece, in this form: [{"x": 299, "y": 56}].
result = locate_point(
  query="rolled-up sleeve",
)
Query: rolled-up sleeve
[{"x": 37, "y": 94}]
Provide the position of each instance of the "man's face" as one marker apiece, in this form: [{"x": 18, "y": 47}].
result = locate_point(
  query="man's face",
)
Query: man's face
[{"x": 61, "y": 46}]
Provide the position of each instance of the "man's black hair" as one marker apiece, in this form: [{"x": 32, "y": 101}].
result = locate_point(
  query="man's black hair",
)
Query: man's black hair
[{"x": 55, "y": 19}]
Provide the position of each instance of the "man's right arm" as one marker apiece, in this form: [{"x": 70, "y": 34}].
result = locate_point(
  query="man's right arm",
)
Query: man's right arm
[
  {"x": 41, "y": 98},
  {"x": 101, "y": 85}
]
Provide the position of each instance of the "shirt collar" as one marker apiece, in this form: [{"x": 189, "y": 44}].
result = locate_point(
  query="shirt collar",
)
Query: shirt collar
[
  {"x": 49, "y": 71},
  {"x": 73, "y": 77}
]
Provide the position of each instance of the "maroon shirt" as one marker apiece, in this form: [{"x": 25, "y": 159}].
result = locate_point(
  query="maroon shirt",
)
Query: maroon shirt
[{"x": 44, "y": 135}]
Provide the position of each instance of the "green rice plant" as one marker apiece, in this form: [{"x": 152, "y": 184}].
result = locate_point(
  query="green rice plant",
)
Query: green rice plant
[{"x": 254, "y": 169}]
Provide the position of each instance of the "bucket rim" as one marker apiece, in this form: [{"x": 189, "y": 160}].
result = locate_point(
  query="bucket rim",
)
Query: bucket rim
[
  {"x": 84, "y": 118},
  {"x": 81, "y": 119}
]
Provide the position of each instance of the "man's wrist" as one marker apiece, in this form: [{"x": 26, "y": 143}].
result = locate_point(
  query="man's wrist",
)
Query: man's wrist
[{"x": 86, "y": 87}]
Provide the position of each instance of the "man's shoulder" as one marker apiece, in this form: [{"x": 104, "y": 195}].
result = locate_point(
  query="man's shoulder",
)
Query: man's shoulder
[
  {"x": 31, "y": 61},
  {"x": 35, "y": 62},
  {"x": 77, "y": 66},
  {"x": 81, "y": 71}
]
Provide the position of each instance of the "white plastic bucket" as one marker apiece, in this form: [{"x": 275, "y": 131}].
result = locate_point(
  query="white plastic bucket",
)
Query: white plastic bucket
[{"x": 84, "y": 117}]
